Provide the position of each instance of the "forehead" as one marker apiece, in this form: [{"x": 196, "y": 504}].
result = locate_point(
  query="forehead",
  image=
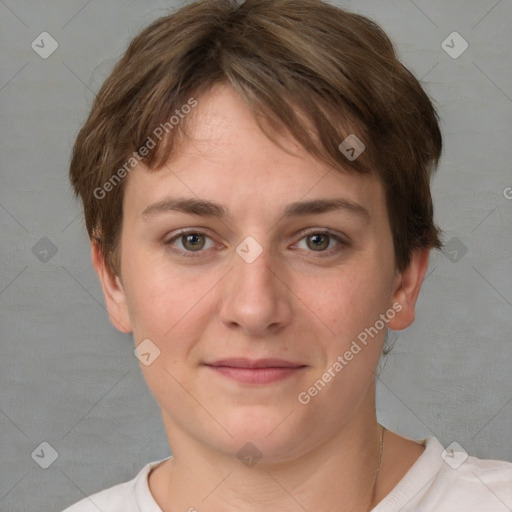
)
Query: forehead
[{"x": 226, "y": 157}]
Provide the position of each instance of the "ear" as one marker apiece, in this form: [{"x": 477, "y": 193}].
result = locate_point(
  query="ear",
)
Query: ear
[
  {"x": 115, "y": 298},
  {"x": 407, "y": 288}
]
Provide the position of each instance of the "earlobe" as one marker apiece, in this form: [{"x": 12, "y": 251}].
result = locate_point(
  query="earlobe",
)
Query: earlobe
[
  {"x": 113, "y": 290},
  {"x": 407, "y": 290}
]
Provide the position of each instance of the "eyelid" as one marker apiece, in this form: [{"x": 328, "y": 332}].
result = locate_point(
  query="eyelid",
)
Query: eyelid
[
  {"x": 335, "y": 234},
  {"x": 342, "y": 240},
  {"x": 187, "y": 231}
]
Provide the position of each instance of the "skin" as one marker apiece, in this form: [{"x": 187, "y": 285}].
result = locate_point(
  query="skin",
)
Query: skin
[{"x": 292, "y": 302}]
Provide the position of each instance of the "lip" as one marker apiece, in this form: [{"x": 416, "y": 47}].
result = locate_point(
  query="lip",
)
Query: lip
[
  {"x": 243, "y": 362},
  {"x": 255, "y": 371}
]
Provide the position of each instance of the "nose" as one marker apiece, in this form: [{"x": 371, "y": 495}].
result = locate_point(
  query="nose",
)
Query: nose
[{"x": 255, "y": 296}]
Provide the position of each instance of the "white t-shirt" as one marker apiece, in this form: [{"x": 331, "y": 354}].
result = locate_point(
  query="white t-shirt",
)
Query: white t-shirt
[{"x": 431, "y": 485}]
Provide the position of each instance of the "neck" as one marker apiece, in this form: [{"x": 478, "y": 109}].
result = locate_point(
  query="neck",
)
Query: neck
[{"x": 339, "y": 475}]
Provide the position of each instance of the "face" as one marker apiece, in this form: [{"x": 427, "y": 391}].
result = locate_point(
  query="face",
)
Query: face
[{"x": 280, "y": 257}]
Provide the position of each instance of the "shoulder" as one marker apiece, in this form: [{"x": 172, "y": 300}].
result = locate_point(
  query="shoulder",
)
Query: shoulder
[
  {"x": 124, "y": 497},
  {"x": 445, "y": 480},
  {"x": 114, "y": 499},
  {"x": 475, "y": 484}
]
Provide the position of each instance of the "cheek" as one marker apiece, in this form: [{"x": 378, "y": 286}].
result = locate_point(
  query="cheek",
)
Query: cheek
[
  {"x": 166, "y": 302},
  {"x": 159, "y": 307},
  {"x": 345, "y": 301}
]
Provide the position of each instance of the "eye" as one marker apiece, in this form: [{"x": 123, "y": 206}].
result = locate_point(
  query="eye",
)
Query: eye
[
  {"x": 191, "y": 242},
  {"x": 194, "y": 241},
  {"x": 323, "y": 242}
]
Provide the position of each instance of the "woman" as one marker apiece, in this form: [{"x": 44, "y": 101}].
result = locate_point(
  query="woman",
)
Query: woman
[{"x": 255, "y": 180}]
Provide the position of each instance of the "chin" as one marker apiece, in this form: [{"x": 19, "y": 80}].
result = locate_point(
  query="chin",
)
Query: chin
[{"x": 259, "y": 433}]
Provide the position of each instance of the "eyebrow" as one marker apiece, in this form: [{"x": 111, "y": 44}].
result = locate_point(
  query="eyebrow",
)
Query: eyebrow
[{"x": 206, "y": 208}]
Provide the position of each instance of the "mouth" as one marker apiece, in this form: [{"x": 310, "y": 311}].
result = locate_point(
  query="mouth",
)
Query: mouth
[{"x": 256, "y": 371}]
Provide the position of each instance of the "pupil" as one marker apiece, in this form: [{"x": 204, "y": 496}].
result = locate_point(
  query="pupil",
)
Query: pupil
[
  {"x": 317, "y": 241},
  {"x": 192, "y": 241}
]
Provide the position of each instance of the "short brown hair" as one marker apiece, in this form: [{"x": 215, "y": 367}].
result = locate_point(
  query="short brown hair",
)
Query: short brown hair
[{"x": 297, "y": 64}]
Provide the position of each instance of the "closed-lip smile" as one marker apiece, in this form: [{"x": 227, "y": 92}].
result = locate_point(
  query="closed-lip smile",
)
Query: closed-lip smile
[
  {"x": 255, "y": 371},
  {"x": 242, "y": 362}
]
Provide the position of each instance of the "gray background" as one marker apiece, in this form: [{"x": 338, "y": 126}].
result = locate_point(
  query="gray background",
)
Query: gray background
[{"x": 70, "y": 379}]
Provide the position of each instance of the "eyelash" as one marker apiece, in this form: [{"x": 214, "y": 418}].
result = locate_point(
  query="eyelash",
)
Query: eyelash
[{"x": 195, "y": 254}]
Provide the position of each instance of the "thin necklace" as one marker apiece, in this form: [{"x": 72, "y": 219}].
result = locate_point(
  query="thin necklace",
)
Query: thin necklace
[{"x": 372, "y": 497}]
